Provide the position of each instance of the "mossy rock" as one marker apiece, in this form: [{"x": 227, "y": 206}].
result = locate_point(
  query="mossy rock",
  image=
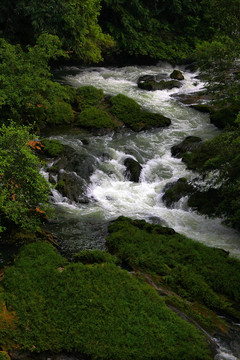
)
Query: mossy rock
[
  {"x": 202, "y": 108},
  {"x": 60, "y": 113},
  {"x": 176, "y": 190},
  {"x": 189, "y": 144},
  {"x": 224, "y": 117},
  {"x": 130, "y": 113},
  {"x": 52, "y": 148},
  {"x": 97, "y": 310},
  {"x": 205, "y": 202},
  {"x": 159, "y": 85},
  {"x": 88, "y": 96},
  {"x": 133, "y": 169},
  {"x": 177, "y": 75},
  {"x": 91, "y": 118}
]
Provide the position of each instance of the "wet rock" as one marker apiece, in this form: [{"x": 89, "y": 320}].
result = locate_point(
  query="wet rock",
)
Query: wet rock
[
  {"x": 205, "y": 202},
  {"x": 133, "y": 169},
  {"x": 85, "y": 141},
  {"x": 71, "y": 186},
  {"x": 187, "y": 145},
  {"x": 177, "y": 75},
  {"x": 71, "y": 161},
  {"x": 192, "y": 98},
  {"x": 152, "y": 84},
  {"x": 71, "y": 173},
  {"x": 202, "y": 108},
  {"x": 176, "y": 190}
]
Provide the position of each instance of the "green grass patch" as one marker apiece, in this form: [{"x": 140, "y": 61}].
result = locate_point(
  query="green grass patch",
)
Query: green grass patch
[
  {"x": 193, "y": 270},
  {"x": 97, "y": 310}
]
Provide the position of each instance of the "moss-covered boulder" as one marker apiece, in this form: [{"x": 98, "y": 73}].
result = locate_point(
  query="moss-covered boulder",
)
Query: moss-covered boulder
[
  {"x": 97, "y": 310},
  {"x": 52, "y": 148},
  {"x": 88, "y": 96},
  {"x": 189, "y": 144},
  {"x": 92, "y": 117},
  {"x": 206, "y": 202},
  {"x": 133, "y": 169},
  {"x": 177, "y": 75},
  {"x": 224, "y": 117},
  {"x": 174, "y": 191},
  {"x": 130, "y": 113},
  {"x": 60, "y": 113}
]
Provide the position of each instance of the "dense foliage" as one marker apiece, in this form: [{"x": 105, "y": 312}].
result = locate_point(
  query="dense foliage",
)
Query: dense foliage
[
  {"x": 74, "y": 22},
  {"x": 167, "y": 29},
  {"x": 98, "y": 310},
  {"x": 222, "y": 156},
  {"x": 27, "y": 93},
  {"x": 23, "y": 190}
]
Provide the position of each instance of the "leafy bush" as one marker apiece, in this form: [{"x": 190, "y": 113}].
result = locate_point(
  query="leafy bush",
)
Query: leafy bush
[
  {"x": 91, "y": 117},
  {"x": 52, "y": 148},
  {"x": 23, "y": 190},
  {"x": 97, "y": 310}
]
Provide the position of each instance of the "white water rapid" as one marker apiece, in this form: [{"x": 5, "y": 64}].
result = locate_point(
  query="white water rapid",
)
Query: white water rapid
[{"x": 110, "y": 193}]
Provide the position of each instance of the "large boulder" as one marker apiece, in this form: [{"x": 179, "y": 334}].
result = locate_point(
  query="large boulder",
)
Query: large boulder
[
  {"x": 71, "y": 173},
  {"x": 187, "y": 145},
  {"x": 133, "y": 169},
  {"x": 152, "y": 83},
  {"x": 177, "y": 75},
  {"x": 174, "y": 191}
]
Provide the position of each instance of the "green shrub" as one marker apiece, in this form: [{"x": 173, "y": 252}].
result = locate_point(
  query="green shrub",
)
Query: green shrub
[
  {"x": 91, "y": 117},
  {"x": 52, "y": 148},
  {"x": 99, "y": 310},
  {"x": 88, "y": 96}
]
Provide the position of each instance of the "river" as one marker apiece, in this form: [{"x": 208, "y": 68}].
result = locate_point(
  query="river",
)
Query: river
[{"x": 110, "y": 194}]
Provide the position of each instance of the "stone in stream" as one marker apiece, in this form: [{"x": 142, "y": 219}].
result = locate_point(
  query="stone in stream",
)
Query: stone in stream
[
  {"x": 174, "y": 191},
  {"x": 152, "y": 83},
  {"x": 177, "y": 75},
  {"x": 71, "y": 173},
  {"x": 189, "y": 144},
  {"x": 133, "y": 169}
]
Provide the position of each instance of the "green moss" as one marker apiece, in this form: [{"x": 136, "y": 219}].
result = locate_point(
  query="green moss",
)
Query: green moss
[
  {"x": 95, "y": 256},
  {"x": 130, "y": 113},
  {"x": 91, "y": 117},
  {"x": 88, "y": 96},
  {"x": 4, "y": 356},
  {"x": 52, "y": 148},
  {"x": 60, "y": 113},
  {"x": 97, "y": 310},
  {"x": 194, "y": 271}
]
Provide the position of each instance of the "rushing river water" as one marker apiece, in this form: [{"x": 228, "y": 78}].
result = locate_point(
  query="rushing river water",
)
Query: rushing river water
[{"x": 110, "y": 194}]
